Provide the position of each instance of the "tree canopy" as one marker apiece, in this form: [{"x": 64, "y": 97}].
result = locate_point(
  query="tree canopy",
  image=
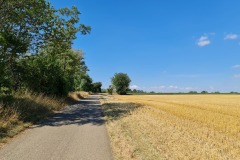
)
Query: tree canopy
[
  {"x": 97, "y": 87},
  {"x": 121, "y": 82},
  {"x": 36, "y": 48}
]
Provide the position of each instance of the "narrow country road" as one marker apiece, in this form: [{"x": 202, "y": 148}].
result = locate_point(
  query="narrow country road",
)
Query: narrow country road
[{"x": 76, "y": 133}]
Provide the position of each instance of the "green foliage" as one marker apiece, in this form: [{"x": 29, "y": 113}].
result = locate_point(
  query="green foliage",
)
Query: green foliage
[
  {"x": 53, "y": 73},
  {"x": 110, "y": 90},
  {"x": 36, "y": 48},
  {"x": 85, "y": 83},
  {"x": 136, "y": 91},
  {"x": 193, "y": 92},
  {"x": 96, "y": 87},
  {"x": 204, "y": 92},
  {"x": 121, "y": 82}
]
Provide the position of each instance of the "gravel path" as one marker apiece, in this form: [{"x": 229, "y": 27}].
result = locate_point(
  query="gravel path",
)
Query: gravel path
[{"x": 76, "y": 133}]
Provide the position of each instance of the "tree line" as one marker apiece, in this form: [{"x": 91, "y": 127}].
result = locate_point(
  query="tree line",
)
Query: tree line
[{"x": 36, "y": 50}]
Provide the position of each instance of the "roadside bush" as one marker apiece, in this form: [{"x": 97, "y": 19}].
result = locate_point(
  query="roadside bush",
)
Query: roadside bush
[{"x": 110, "y": 90}]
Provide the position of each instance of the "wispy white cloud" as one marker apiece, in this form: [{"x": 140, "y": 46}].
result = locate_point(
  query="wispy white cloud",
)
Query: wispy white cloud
[
  {"x": 211, "y": 88},
  {"x": 165, "y": 87},
  {"x": 134, "y": 87},
  {"x": 203, "y": 41},
  {"x": 231, "y": 36},
  {"x": 160, "y": 87},
  {"x": 237, "y": 66},
  {"x": 236, "y": 76},
  {"x": 189, "y": 88},
  {"x": 172, "y": 88}
]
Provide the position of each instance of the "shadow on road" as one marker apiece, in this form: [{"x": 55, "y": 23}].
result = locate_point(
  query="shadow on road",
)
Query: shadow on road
[{"x": 86, "y": 111}]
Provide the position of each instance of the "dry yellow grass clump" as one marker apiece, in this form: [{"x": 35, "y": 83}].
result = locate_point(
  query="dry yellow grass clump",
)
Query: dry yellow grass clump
[
  {"x": 24, "y": 109},
  {"x": 78, "y": 95},
  {"x": 174, "y": 126}
]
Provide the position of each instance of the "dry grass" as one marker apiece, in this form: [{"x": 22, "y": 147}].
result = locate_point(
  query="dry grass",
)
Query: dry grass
[
  {"x": 23, "y": 109},
  {"x": 78, "y": 95},
  {"x": 174, "y": 126}
]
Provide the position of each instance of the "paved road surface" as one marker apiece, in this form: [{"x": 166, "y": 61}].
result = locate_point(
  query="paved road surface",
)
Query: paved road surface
[{"x": 76, "y": 133}]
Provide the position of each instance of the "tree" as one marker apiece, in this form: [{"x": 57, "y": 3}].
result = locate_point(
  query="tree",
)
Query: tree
[
  {"x": 21, "y": 27},
  {"x": 121, "y": 82},
  {"x": 53, "y": 74},
  {"x": 193, "y": 92},
  {"x": 97, "y": 87},
  {"x": 85, "y": 83},
  {"x": 233, "y": 92},
  {"x": 204, "y": 92},
  {"x": 36, "y": 47}
]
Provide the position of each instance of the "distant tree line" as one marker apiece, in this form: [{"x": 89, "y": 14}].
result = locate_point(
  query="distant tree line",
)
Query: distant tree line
[
  {"x": 36, "y": 49},
  {"x": 134, "y": 91}
]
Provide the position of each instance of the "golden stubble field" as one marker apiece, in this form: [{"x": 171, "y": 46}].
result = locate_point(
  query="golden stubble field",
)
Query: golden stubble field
[{"x": 174, "y": 126}]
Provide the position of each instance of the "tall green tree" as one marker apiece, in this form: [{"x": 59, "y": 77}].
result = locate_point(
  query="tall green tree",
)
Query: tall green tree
[
  {"x": 20, "y": 24},
  {"x": 36, "y": 43},
  {"x": 121, "y": 82},
  {"x": 86, "y": 83}
]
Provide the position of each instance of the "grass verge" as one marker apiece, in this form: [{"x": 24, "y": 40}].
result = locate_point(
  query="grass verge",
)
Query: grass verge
[
  {"x": 24, "y": 109},
  {"x": 116, "y": 113}
]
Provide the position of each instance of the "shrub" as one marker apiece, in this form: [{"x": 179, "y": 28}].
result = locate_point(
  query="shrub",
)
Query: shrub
[{"x": 110, "y": 90}]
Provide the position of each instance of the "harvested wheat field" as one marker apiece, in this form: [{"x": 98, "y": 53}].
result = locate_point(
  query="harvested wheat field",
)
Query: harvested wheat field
[{"x": 174, "y": 126}]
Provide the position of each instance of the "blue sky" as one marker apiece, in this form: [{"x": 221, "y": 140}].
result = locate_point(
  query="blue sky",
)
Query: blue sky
[{"x": 163, "y": 45}]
